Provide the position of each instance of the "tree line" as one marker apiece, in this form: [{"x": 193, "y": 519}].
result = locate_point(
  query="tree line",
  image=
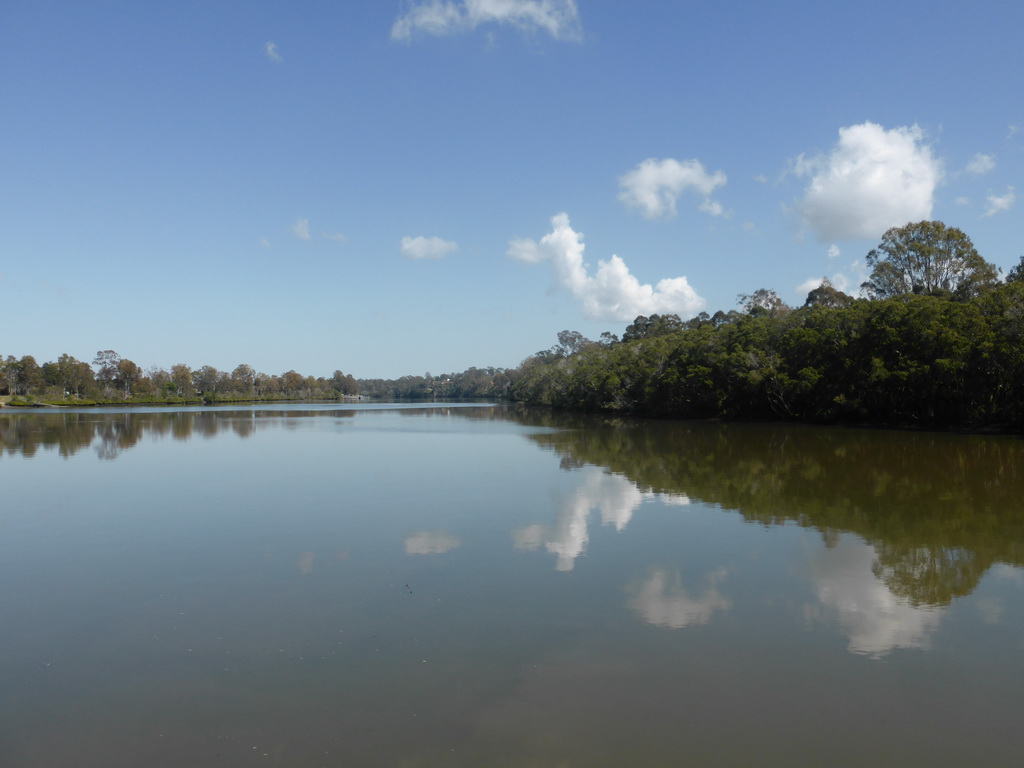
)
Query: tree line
[
  {"x": 936, "y": 340},
  {"x": 112, "y": 378}
]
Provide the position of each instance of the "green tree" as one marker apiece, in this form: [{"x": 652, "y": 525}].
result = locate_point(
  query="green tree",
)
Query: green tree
[
  {"x": 242, "y": 378},
  {"x": 292, "y": 383},
  {"x": 205, "y": 379},
  {"x": 1016, "y": 274},
  {"x": 128, "y": 376},
  {"x": 927, "y": 257},
  {"x": 29, "y": 377},
  {"x": 344, "y": 383},
  {"x": 763, "y": 301},
  {"x": 827, "y": 295},
  {"x": 571, "y": 342},
  {"x": 649, "y": 327},
  {"x": 106, "y": 367},
  {"x": 73, "y": 375},
  {"x": 181, "y": 378}
]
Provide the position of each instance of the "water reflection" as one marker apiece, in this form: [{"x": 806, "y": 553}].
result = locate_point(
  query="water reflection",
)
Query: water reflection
[
  {"x": 305, "y": 563},
  {"x": 931, "y": 513},
  {"x": 938, "y": 510},
  {"x": 663, "y": 601},
  {"x": 68, "y": 432},
  {"x": 615, "y": 497},
  {"x": 430, "y": 543},
  {"x": 876, "y": 619},
  {"x": 201, "y": 598}
]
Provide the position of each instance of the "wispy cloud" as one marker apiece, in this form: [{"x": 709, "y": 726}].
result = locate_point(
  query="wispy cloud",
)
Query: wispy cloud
[
  {"x": 654, "y": 186},
  {"x": 1000, "y": 203},
  {"x": 427, "y": 247},
  {"x": 270, "y": 48},
  {"x": 981, "y": 163},
  {"x": 336, "y": 236},
  {"x": 558, "y": 18},
  {"x": 301, "y": 229},
  {"x": 612, "y": 293},
  {"x": 872, "y": 180}
]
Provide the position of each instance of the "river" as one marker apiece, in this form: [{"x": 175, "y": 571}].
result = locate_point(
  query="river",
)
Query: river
[{"x": 475, "y": 585}]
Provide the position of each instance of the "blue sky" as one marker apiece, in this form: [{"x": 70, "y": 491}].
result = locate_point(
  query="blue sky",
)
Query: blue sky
[{"x": 397, "y": 187}]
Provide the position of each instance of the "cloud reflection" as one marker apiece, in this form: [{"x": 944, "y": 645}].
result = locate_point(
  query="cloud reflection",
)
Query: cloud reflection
[
  {"x": 430, "y": 543},
  {"x": 663, "y": 601},
  {"x": 876, "y": 621},
  {"x": 305, "y": 563},
  {"x": 615, "y": 497}
]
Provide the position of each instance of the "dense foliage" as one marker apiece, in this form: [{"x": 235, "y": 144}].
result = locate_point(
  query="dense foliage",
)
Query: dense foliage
[
  {"x": 939, "y": 344},
  {"x": 907, "y": 360},
  {"x": 117, "y": 379}
]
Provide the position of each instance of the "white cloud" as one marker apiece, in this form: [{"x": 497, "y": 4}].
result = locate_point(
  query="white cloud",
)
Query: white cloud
[
  {"x": 336, "y": 236},
  {"x": 712, "y": 208},
  {"x": 427, "y": 247},
  {"x": 808, "y": 285},
  {"x": 962, "y": 201},
  {"x": 839, "y": 281},
  {"x": 301, "y": 229},
  {"x": 271, "y": 50},
  {"x": 612, "y": 293},
  {"x": 558, "y": 18},
  {"x": 654, "y": 186},
  {"x": 981, "y": 164},
  {"x": 999, "y": 203},
  {"x": 265, "y": 243},
  {"x": 834, "y": 252},
  {"x": 872, "y": 180}
]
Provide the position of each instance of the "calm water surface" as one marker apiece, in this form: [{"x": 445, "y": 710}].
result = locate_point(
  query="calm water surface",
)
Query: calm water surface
[{"x": 474, "y": 586}]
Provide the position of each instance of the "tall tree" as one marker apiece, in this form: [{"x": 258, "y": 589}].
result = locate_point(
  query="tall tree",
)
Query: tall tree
[
  {"x": 128, "y": 376},
  {"x": 29, "y": 375},
  {"x": 827, "y": 295},
  {"x": 927, "y": 257},
  {"x": 106, "y": 365},
  {"x": 571, "y": 342},
  {"x": 344, "y": 383},
  {"x": 1016, "y": 274},
  {"x": 181, "y": 377},
  {"x": 648, "y": 327},
  {"x": 73, "y": 375},
  {"x": 205, "y": 380},
  {"x": 763, "y": 301},
  {"x": 242, "y": 378}
]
